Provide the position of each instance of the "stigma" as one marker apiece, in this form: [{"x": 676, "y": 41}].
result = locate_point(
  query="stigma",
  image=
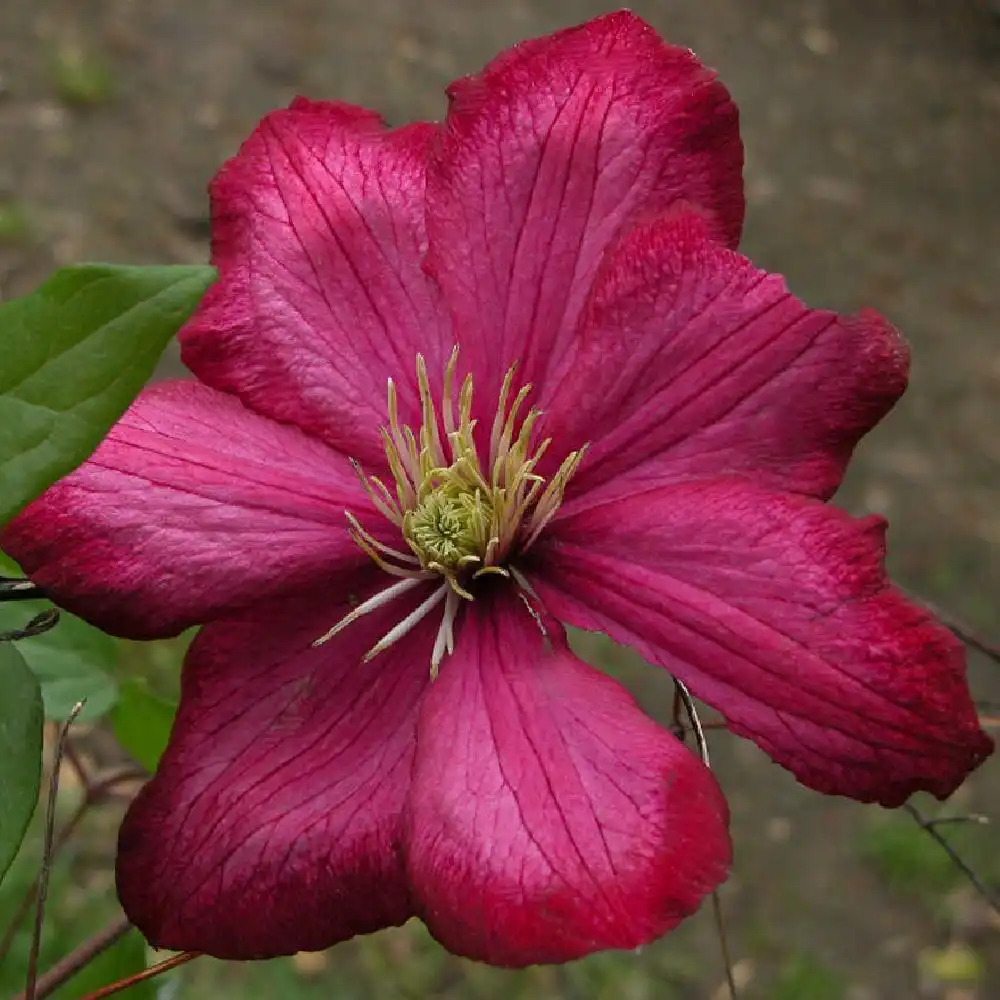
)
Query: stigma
[{"x": 461, "y": 515}]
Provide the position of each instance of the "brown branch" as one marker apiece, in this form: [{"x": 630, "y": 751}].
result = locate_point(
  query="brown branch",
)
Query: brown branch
[
  {"x": 72, "y": 963},
  {"x": 139, "y": 977},
  {"x": 38, "y": 987},
  {"x": 76, "y": 762},
  {"x": 95, "y": 791}
]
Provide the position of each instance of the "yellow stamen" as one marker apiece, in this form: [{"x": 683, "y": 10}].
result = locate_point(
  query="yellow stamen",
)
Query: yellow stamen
[{"x": 462, "y": 517}]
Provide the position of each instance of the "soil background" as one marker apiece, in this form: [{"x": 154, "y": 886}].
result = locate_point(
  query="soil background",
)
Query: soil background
[{"x": 872, "y": 130}]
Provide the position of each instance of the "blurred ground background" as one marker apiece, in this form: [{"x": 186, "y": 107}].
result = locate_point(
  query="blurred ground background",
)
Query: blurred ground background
[{"x": 873, "y": 143}]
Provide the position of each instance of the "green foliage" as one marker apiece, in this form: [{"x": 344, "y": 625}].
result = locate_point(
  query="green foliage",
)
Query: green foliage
[
  {"x": 803, "y": 976},
  {"x": 122, "y": 959},
  {"x": 76, "y": 352},
  {"x": 67, "y": 660},
  {"x": 149, "y": 681},
  {"x": 407, "y": 963},
  {"x": 20, "y": 750},
  {"x": 142, "y": 721},
  {"x": 72, "y": 661},
  {"x": 83, "y": 77},
  {"x": 14, "y": 225},
  {"x": 907, "y": 859},
  {"x": 80, "y": 901}
]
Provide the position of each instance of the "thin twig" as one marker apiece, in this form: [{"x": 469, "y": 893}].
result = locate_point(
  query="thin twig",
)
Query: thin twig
[
  {"x": 72, "y": 963},
  {"x": 682, "y": 696},
  {"x": 692, "y": 713},
  {"x": 930, "y": 827},
  {"x": 727, "y": 960},
  {"x": 961, "y": 630},
  {"x": 977, "y": 641},
  {"x": 95, "y": 791},
  {"x": 43, "y": 880},
  {"x": 677, "y": 726},
  {"x": 139, "y": 977},
  {"x": 954, "y": 820},
  {"x": 42, "y": 622}
]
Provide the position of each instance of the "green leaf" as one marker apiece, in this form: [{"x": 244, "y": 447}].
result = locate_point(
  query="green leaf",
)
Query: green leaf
[
  {"x": 72, "y": 661},
  {"x": 142, "y": 721},
  {"x": 124, "y": 958},
  {"x": 20, "y": 750},
  {"x": 67, "y": 660},
  {"x": 75, "y": 353}
]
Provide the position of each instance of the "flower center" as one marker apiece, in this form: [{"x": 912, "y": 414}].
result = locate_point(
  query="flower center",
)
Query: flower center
[
  {"x": 450, "y": 528},
  {"x": 459, "y": 517}
]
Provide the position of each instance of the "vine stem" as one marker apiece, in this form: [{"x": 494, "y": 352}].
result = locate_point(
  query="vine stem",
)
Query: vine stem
[
  {"x": 93, "y": 794},
  {"x": 19, "y": 589},
  {"x": 930, "y": 827},
  {"x": 683, "y": 699},
  {"x": 140, "y": 977},
  {"x": 43, "y": 877},
  {"x": 71, "y": 964},
  {"x": 67, "y": 967}
]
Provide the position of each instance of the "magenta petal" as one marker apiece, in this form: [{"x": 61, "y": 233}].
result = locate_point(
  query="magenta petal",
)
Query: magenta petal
[
  {"x": 548, "y": 155},
  {"x": 777, "y": 611},
  {"x": 695, "y": 364},
  {"x": 318, "y": 233},
  {"x": 549, "y": 817},
  {"x": 272, "y": 825},
  {"x": 192, "y": 506}
]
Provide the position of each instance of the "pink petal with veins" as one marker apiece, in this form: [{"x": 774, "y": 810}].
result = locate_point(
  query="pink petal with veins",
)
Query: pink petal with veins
[
  {"x": 273, "y": 823},
  {"x": 549, "y": 817},
  {"x": 318, "y": 234},
  {"x": 191, "y": 508},
  {"x": 777, "y": 611},
  {"x": 547, "y": 157},
  {"x": 694, "y": 363}
]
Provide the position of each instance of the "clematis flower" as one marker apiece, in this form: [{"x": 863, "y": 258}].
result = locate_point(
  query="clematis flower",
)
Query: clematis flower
[{"x": 597, "y": 413}]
